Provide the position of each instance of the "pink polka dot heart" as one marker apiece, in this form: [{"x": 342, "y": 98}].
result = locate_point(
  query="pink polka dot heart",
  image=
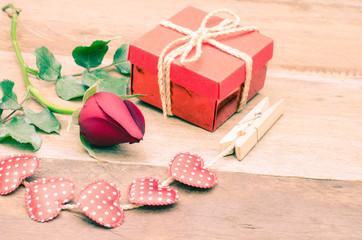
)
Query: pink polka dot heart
[
  {"x": 148, "y": 191},
  {"x": 99, "y": 201},
  {"x": 189, "y": 169},
  {"x": 44, "y": 197},
  {"x": 14, "y": 169}
]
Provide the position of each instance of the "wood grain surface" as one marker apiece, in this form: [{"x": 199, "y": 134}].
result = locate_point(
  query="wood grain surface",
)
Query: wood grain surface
[
  {"x": 301, "y": 181},
  {"x": 240, "y": 206}
]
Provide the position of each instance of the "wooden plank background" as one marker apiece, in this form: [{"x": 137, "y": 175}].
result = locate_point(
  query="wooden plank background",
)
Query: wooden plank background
[
  {"x": 316, "y": 68},
  {"x": 311, "y": 35},
  {"x": 241, "y": 206}
]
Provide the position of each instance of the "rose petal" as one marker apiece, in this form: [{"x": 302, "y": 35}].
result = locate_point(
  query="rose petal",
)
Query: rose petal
[
  {"x": 102, "y": 133},
  {"x": 115, "y": 108},
  {"x": 98, "y": 128},
  {"x": 136, "y": 114},
  {"x": 91, "y": 110}
]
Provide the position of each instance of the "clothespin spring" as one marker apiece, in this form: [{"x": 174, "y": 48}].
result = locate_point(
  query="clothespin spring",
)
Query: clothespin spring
[{"x": 256, "y": 116}]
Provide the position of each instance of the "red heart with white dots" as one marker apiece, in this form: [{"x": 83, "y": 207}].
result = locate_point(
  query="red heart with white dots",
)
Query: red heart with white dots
[
  {"x": 148, "y": 191},
  {"x": 14, "y": 169},
  {"x": 99, "y": 201},
  {"x": 44, "y": 197},
  {"x": 189, "y": 169}
]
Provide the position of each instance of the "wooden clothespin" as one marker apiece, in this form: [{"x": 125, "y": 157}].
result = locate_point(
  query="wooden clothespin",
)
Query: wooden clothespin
[{"x": 252, "y": 128}]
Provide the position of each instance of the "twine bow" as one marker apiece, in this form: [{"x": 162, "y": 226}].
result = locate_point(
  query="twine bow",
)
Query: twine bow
[{"x": 195, "y": 39}]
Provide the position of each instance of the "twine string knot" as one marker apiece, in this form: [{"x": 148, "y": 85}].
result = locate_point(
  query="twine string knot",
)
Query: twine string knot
[{"x": 183, "y": 46}]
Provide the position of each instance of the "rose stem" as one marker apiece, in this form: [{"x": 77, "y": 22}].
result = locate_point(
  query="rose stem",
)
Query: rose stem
[
  {"x": 24, "y": 68},
  {"x": 100, "y": 68}
]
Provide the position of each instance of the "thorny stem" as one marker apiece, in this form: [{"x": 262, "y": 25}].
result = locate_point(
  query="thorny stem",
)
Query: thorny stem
[{"x": 25, "y": 69}]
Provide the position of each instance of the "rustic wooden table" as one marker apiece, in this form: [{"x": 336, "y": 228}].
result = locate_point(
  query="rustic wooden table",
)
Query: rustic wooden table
[{"x": 301, "y": 181}]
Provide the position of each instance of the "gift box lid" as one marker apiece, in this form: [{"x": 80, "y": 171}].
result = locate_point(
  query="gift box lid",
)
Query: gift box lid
[{"x": 215, "y": 74}]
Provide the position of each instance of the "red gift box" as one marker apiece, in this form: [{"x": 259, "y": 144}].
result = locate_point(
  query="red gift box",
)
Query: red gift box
[{"x": 205, "y": 92}]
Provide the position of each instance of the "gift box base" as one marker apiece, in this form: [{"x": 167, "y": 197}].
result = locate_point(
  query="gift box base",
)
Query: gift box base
[{"x": 191, "y": 106}]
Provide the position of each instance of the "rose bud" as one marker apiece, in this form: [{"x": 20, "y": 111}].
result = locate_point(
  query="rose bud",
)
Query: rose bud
[{"x": 106, "y": 120}]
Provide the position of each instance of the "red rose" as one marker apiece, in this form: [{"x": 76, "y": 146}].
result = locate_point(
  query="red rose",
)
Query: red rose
[{"x": 106, "y": 120}]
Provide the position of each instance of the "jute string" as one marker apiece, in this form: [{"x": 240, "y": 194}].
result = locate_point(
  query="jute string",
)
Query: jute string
[
  {"x": 194, "y": 40},
  {"x": 170, "y": 180},
  {"x": 165, "y": 183},
  {"x": 224, "y": 153}
]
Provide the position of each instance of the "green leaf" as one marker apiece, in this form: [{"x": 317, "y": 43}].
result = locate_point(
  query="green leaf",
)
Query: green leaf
[
  {"x": 20, "y": 131},
  {"x": 109, "y": 83},
  {"x": 90, "y": 56},
  {"x": 124, "y": 68},
  {"x": 123, "y": 97},
  {"x": 9, "y": 99},
  {"x": 45, "y": 120},
  {"x": 90, "y": 92},
  {"x": 74, "y": 119},
  {"x": 89, "y": 79},
  {"x": 117, "y": 86},
  {"x": 49, "y": 67},
  {"x": 88, "y": 148},
  {"x": 121, "y": 55},
  {"x": 120, "y": 60},
  {"x": 3, "y": 132},
  {"x": 69, "y": 87}
]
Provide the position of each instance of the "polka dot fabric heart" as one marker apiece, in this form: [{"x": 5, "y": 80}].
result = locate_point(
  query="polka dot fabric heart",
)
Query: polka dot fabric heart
[
  {"x": 189, "y": 169},
  {"x": 44, "y": 197},
  {"x": 99, "y": 201},
  {"x": 148, "y": 191},
  {"x": 14, "y": 169}
]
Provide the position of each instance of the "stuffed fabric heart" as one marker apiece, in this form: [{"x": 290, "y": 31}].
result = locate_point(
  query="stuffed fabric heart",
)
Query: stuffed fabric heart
[
  {"x": 14, "y": 169},
  {"x": 189, "y": 169},
  {"x": 99, "y": 201},
  {"x": 148, "y": 191},
  {"x": 44, "y": 197}
]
